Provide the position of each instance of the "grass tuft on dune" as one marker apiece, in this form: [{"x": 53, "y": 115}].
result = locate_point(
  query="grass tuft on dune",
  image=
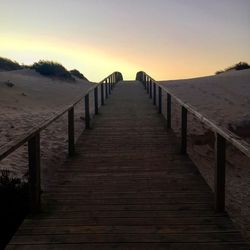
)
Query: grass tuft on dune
[
  {"x": 237, "y": 66},
  {"x": 78, "y": 74},
  {"x": 8, "y": 65},
  {"x": 52, "y": 69}
]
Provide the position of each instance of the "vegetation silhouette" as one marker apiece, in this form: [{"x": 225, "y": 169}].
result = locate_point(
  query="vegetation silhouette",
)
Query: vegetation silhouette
[
  {"x": 78, "y": 74},
  {"x": 14, "y": 195},
  {"x": 8, "y": 65},
  {"x": 52, "y": 69},
  {"x": 237, "y": 66}
]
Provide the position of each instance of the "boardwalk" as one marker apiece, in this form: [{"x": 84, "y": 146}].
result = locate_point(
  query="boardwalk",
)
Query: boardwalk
[{"x": 128, "y": 188}]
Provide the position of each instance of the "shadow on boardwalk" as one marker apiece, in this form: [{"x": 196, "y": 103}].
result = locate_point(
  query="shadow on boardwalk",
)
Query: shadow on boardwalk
[{"x": 128, "y": 188}]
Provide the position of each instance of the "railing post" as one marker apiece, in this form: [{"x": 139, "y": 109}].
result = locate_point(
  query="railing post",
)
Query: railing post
[
  {"x": 154, "y": 96},
  {"x": 71, "y": 132},
  {"x": 111, "y": 82},
  {"x": 169, "y": 111},
  {"x": 34, "y": 173},
  {"x": 102, "y": 94},
  {"x": 160, "y": 99},
  {"x": 148, "y": 85},
  {"x": 220, "y": 150},
  {"x": 106, "y": 87},
  {"x": 150, "y": 89},
  {"x": 87, "y": 113},
  {"x": 96, "y": 99},
  {"x": 183, "y": 130}
]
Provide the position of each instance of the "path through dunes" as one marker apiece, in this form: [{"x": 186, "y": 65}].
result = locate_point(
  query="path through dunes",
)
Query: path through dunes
[{"x": 128, "y": 188}]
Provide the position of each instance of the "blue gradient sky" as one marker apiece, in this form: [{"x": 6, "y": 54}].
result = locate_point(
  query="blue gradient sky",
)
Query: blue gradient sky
[{"x": 169, "y": 39}]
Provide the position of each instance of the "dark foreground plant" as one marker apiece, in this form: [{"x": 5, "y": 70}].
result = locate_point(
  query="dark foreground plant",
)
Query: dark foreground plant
[{"x": 14, "y": 205}]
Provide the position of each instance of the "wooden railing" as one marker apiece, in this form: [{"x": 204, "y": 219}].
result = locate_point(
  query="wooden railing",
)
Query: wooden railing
[
  {"x": 33, "y": 136},
  {"x": 222, "y": 135}
]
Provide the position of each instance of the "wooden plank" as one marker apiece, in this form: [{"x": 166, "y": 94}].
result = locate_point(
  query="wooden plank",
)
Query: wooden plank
[
  {"x": 144, "y": 237},
  {"x": 135, "y": 246}
]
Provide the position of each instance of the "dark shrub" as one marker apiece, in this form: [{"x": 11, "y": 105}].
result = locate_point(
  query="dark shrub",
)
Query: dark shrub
[
  {"x": 78, "y": 74},
  {"x": 52, "y": 69},
  {"x": 14, "y": 205},
  {"x": 238, "y": 66},
  {"x": 219, "y": 72},
  {"x": 8, "y": 65}
]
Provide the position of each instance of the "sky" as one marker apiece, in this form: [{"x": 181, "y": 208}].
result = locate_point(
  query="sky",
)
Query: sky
[{"x": 168, "y": 39}]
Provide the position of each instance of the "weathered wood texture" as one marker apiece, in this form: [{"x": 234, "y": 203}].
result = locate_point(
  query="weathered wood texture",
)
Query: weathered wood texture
[{"x": 128, "y": 187}]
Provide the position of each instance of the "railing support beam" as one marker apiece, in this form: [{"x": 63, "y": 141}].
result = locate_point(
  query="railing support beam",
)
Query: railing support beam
[
  {"x": 71, "y": 132},
  {"x": 154, "y": 93},
  {"x": 34, "y": 173},
  {"x": 102, "y": 93},
  {"x": 160, "y": 99},
  {"x": 106, "y": 87},
  {"x": 150, "y": 89},
  {"x": 183, "y": 130},
  {"x": 169, "y": 111},
  {"x": 87, "y": 112},
  {"x": 220, "y": 149},
  {"x": 96, "y": 100}
]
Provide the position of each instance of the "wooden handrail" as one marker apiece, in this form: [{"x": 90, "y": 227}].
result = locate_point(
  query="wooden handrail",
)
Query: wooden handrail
[
  {"x": 33, "y": 135},
  {"x": 8, "y": 148},
  {"x": 235, "y": 140},
  {"x": 223, "y": 135}
]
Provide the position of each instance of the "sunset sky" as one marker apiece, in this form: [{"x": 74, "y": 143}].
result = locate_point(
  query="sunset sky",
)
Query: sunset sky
[{"x": 169, "y": 39}]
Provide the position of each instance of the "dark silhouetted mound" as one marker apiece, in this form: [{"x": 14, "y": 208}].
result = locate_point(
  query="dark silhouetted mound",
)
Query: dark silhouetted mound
[
  {"x": 52, "y": 69},
  {"x": 8, "y": 65},
  {"x": 238, "y": 66},
  {"x": 78, "y": 74}
]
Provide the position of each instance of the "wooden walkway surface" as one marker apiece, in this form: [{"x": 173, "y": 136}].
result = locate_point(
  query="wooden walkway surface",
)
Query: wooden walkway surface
[{"x": 128, "y": 188}]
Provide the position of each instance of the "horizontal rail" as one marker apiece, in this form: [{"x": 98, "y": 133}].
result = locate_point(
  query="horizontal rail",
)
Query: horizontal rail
[
  {"x": 222, "y": 135},
  {"x": 10, "y": 147},
  {"x": 235, "y": 140}
]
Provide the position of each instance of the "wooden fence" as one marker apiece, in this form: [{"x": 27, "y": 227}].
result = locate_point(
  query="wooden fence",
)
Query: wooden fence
[
  {"x": 33, "y": 136},
  {"x": 222, "y": 136}
]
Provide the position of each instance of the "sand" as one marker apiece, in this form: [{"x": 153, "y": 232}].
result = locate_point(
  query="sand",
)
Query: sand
[
  {"x": 224, "y": 99},
  {"x": 26, "y": 104}
]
